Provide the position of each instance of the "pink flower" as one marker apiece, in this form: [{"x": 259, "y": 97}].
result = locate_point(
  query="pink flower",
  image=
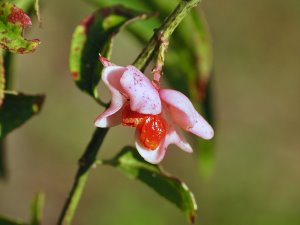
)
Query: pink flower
[{"x": 156, "y": 113}]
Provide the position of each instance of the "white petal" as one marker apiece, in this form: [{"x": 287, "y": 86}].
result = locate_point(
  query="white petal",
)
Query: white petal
[
  {"x": 184, "y": 114},
  {"x": 111, "y": 76},
  {"x": 109, "y": 121}
]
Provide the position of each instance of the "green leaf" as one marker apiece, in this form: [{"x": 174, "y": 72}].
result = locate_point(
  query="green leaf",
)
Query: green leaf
[
  {"x": 134, "y": 4},
  {"x": 6, "y": 221},
  {"x": 141, "y": 30},
  {"x": 26, "y": 5},
  {"x": 2, "y": 77},
  {"x": 13, "y": 20},
  {"x": 93, "y": 36},
  {"x": 171, "y": 188},
  {"x": 17, "y": 109},
  {"x": 37, "y": 208}
]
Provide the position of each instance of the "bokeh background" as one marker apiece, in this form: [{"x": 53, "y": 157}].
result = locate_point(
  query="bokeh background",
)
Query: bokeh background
[{"x": 256, "y": 177}]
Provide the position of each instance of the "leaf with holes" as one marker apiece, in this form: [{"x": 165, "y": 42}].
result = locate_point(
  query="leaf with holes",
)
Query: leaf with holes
[
  {"x": 171, "y": 188},
  {"x": 93, "y": 36},
  {"x": 13, "y": 20},
  {"x": 17, "y": 108}
]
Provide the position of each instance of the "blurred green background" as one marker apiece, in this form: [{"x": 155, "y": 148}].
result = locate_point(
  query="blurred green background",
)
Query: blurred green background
[{"x": 256, "y": 177}]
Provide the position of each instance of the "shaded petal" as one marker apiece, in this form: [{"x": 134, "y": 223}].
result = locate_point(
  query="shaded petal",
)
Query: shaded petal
[
  {"x": 157, "y": 155},
  {"x": 184, "y": 114},
  {"x": 144, "y": 98},
  {"x": 111, "y": 120},
  {"x": 175, "y": 137},
  {"x": 111, "y": 76}
]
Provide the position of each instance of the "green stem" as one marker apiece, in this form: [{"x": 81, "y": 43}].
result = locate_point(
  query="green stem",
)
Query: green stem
[
  {"x": 86, "y": 162},
  {"x": 7, "y": 61},
  {"x": 89, "y": 157},
  {"x": 165, "y": 30}
]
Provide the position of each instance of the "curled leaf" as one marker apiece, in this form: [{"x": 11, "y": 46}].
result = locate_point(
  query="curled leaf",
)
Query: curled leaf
[
  {"x": 13, "y": 20},
  {"x": 94, "y": 35},
  {"x": 171, "y": 188},
  {"x": 17, "y": 108}
]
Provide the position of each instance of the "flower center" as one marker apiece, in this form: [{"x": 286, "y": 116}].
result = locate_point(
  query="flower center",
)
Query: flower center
[{"x": 152, "y": 128}]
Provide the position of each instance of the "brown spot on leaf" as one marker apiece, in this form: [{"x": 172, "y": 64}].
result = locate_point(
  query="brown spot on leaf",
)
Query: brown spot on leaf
[
  {"x": 21, "y": 50},
  {"x": 192, "y": 218},
  {"x": 74, "y": 75},
  {"x": 5, "y": 40},
  {"x": 3, "y": 46},
  {"x": 17, "y": 15},
  {"x": 36, "y": 40},
  {"x": 76, "y": 49}
]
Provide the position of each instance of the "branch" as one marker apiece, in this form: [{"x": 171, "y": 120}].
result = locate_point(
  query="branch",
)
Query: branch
[
  {"x": 165, "y": 31},
  {"x": 86, "y": 162}
]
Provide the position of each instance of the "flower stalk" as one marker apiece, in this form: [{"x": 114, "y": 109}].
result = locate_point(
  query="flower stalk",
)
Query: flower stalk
[{"x": 157, "y": 70}]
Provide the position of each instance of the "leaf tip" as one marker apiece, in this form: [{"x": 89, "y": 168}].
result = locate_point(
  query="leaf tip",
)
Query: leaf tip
[
  {"x": 192, "y": 218},
  {"x": 37, "y": 106}
]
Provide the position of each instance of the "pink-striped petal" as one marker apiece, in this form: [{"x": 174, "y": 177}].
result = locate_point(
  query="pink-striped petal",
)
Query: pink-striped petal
[
  {"x": 184, "y": 113},
  {"x": 111, "y": 76},
  {"x": 144, "y": 98}
]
